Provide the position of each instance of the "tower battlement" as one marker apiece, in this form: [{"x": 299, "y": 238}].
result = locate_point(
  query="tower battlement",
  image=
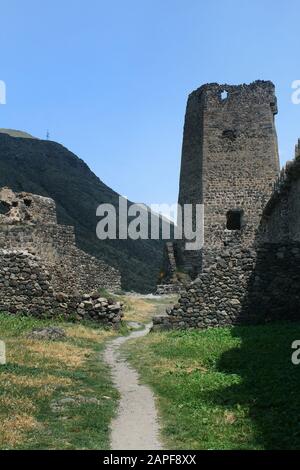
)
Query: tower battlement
[{"x": 259, "y": 92}]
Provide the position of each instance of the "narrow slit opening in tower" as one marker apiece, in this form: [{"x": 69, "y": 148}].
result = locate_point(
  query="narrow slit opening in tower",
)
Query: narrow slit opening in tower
[
  {"x": 234, "y": 219},
  {"x": 4, "y": 207},
  {"x": 230, "y": 134}
]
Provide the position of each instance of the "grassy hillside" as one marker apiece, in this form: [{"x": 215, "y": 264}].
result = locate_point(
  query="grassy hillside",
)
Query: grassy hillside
[
  {"x": 49, "y": 169},
  {"x": 225, "y": 388}
]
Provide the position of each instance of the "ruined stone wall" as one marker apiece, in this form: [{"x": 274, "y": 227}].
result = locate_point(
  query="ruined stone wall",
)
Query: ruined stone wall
[
  {"x": 26, "y": 288},
  {"x": 255, "y": 283},
  {"x": 71, "y": 268},
  {"x": 253, "y": 274},
  {"x": 63, "y": 276},
  {"x": 281, "y": 220},
  {"x": 243, "y": 286},
  {"x": 24, "y": 283},
  {"x": 29, "y": 222},
  {"x": 26, "y": 208}
]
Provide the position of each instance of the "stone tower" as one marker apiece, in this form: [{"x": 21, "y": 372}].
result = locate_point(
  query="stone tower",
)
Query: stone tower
[{"x": 229, "y": 163}]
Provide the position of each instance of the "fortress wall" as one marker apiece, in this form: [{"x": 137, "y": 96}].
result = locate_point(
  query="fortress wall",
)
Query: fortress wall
[
  {"x": 251, "y": 274},
  {"x": 250, "y": 284},
  {"x": 42, "y": 271},
  {"x": 25, "y": 284},
  {"x": 294, "y": 211},
  {"x": 26, "y": 288},
  {"x": 79, "y": 271},
  {"x": 71, "y": 268},
  {"x": 243, "y": 286},
  {"x": 281, "y": 217},
  {"x": 18, "y": 208}
]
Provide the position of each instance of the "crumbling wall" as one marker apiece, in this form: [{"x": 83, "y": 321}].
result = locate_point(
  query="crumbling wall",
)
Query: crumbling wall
[
  {"x": 26, "y": 288},
  {"x": 242, "y": 286},
  {"x": 63, "y": 276},
  {"x": 71, "y": 268},
  {"x": 34, "y": 228},
  {"x": 246, "y": 284},
  {"x": 25, "y": 208},
  {"x": 25, "y": 284},
  {"x": 281, "y": 220}
]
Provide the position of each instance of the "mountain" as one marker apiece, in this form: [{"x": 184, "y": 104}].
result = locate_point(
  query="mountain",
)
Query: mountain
[
  {"x": 15, "y": 133},
  {"x": 49, "y": 169}
]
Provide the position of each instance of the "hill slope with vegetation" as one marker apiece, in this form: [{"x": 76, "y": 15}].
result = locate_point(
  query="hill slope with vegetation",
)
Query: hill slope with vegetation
[{"x": 49, "y": 169}]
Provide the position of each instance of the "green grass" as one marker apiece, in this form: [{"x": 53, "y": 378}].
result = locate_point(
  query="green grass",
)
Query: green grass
[
  {"x": 39, "y": 374},
  {"x": 226, "y": 388}
]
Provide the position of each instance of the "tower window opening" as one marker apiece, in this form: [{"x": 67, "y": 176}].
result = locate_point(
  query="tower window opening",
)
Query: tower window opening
[
  {"x": 4, "y": 207},
  {"x": 224, "y": 95},
  {"x": 230, "y": 134},
  {"x": 234, "y": 219}
]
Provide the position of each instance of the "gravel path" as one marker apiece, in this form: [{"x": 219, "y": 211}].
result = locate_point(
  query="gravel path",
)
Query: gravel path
[{"x": 136, "y": 425}]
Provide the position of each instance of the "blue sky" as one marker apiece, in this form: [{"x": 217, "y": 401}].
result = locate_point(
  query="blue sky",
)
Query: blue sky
[{"x": 110, "y": 79}]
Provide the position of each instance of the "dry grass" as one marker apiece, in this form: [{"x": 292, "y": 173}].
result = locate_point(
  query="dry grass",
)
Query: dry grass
[
  {"x": 66, "y": 354},
  {"x": 13, "y": 428},
  {"x": 229, "y": 417},
  {"x": 138, "y": 309},
  {"x": 38, "y": 372},
  {"x": 22, "y": 404},
  {"x": 37, "y": 353},
  {"x": 91, "y": 334},
  {"x": 142, "y": 310},
  {"x": 9, "y": 380}
]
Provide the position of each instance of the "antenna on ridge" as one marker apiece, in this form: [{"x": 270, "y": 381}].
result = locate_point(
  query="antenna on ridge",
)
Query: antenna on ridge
[{"x": 48, "y": 134}]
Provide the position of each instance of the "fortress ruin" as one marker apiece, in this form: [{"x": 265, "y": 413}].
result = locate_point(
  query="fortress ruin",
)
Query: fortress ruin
[
  {"x": 42, "y": 272},
  {"x": 248, "y": 269}
]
